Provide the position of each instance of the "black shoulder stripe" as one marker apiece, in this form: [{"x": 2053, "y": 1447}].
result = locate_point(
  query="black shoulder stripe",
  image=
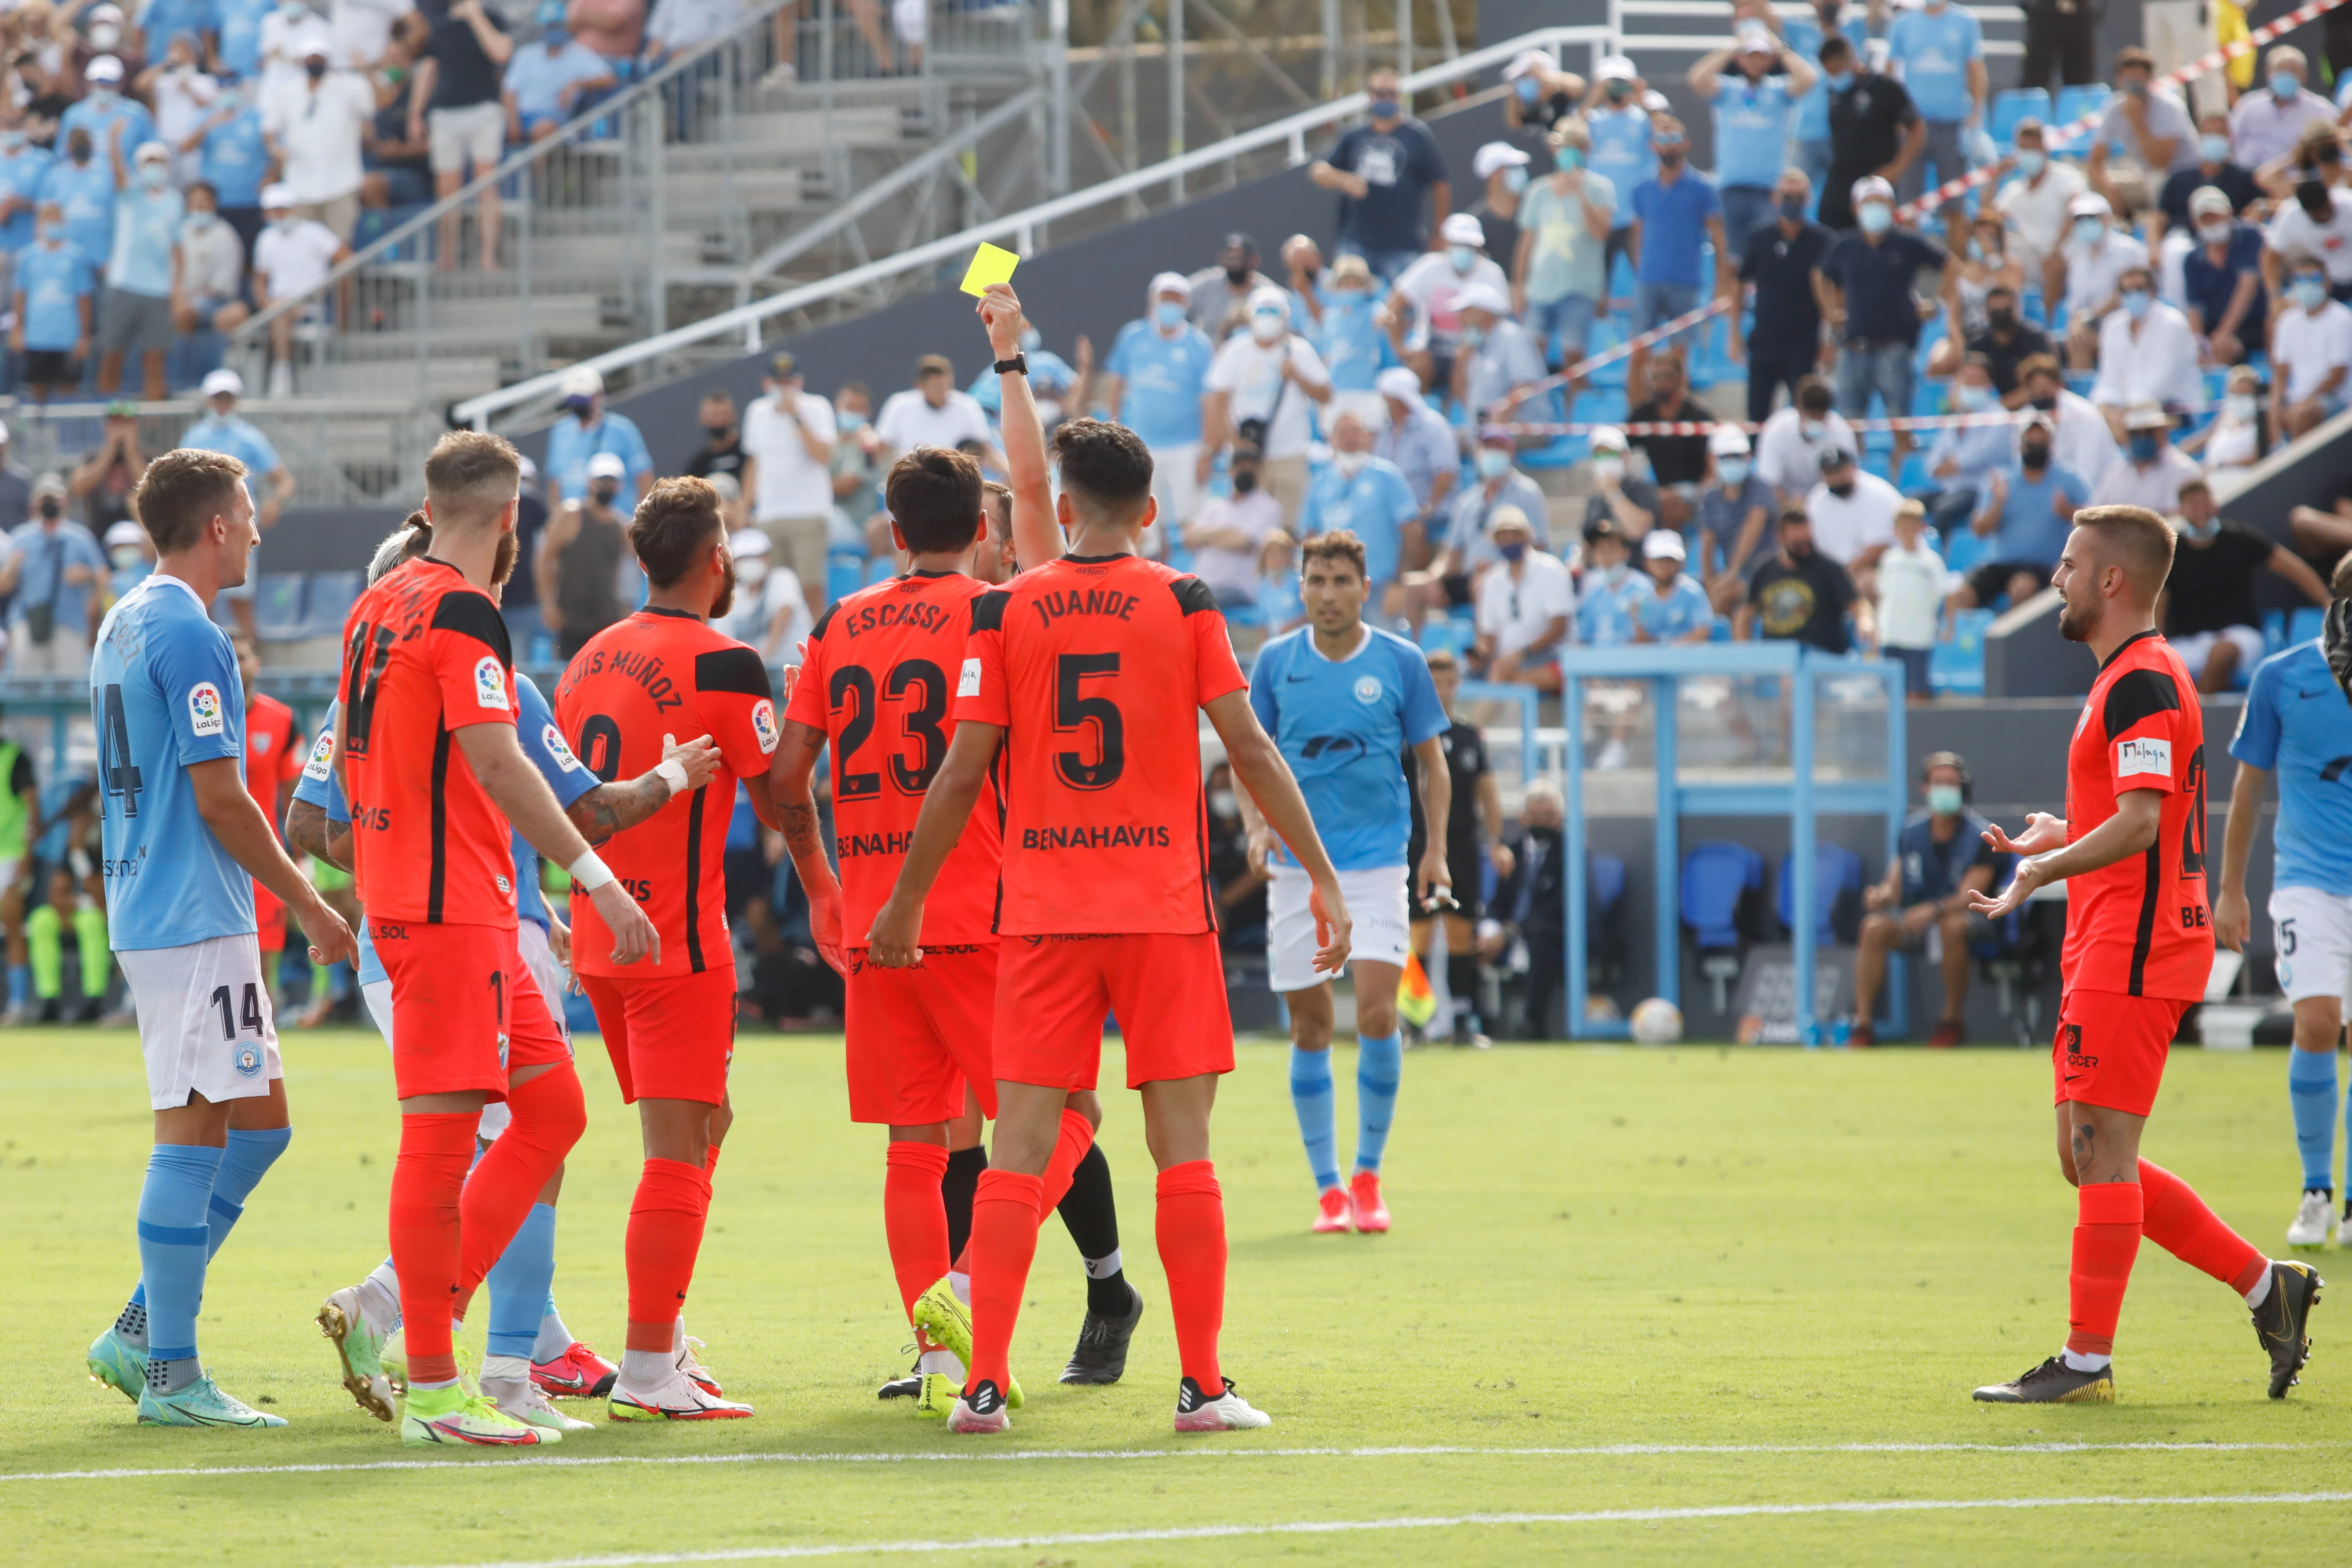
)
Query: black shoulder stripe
[
  {"x": 473, "y": 615},
  {"x": 2137, "y": 695},
  {"x": 731, "y": 670},
  {"x": 823, "y": 622},
  {"x": 1192, "y": 595},
  {"x": 988, "y": 611}
]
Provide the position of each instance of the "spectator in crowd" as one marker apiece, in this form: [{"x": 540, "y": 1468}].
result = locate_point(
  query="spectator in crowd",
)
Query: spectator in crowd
[
  {"x": 1875, "y": 129},
  {"x": 1733, "y": 508},
  {"x": 2027, "y": 513},
  {"x": 1436, "y": 285},
  {"x": 362, "y": 29},
  {"x": 1302, "y": 264},
  {"x": 291, "y": 261},
  {"x": 1496, "y": 372},
  {"x": 675, "y": 26},
  {"x": 1908, "y": 594},
  {"x": 1619, "y": 495},
  {"x": 520, "y": 602},
  {"x": 15, "y": 483},
  {"x": 1370, "y": 495},
  {"x": 2150, "y": 473},
  {"x": 1542, "y": 99},
  {"x": 286, "y": 35},
  {"x": 1798, "y": 594},
  {"x": 103, "y": 107},
  {"x": 2210, "y": 615},
  {"x": 1853, "y": 511},
  {"x": 267, "y": 482},
  {"x": 2098, "y": 255},
  {"x": 1241, "y": 890},
  {"x": 207, "y": 283},
  {"x": 2311, "y": 350},
  {"x": 1788, "y": 448},
  {"x": 1227, "y": 536},
  {"x": 2038, "y": 206},
  {"x": 102, "y": 481},
  {"x": 1981, "y": 265},
  {"x": 399, "y": 171},
  {"x": 1391, "y": 178},
  {"x": 1524, "y": 605},
  {"x": 787, "y": 476},
  {"x": 2084, "y": 443},
  {"x": 134, "y": 315},
  {"x": 2316, "y": 224},
  {"x": 1350, "y": 336},
  {"x": 316, "y": 124},
  {"x": 581, "y": 555},
  {"x": 1677, "y": 463},
  {"x": 2007, "y": 342},
  {"x": 771, "y": 611},
  {"x": 53, "y": 565},
  {"x": 1963, "y": 457},
  {"x": 182, "y": 92},
  {"x": 934, "y": 414},
  {"x": 1220, "y": 294},
  {"x": 860, "y": 461},
  {"x": 1866, "y": 282},
  {"x": 1154, "y": 381},
  {"x": 1530, "y": 908},
  {"x": 1780, "y": 259},
  {"x": 1469, "y": 548},
  {"x": 233, "y": 157},
  {"x": 1502, "y": 169},
  {"x": 586, "y": 429},
  {"x": 1675, "y": 210},
  {"x": 614, "y": 28},
  {"x": 1673, "y": 608},
  {"x": 82, "y": 186},
  {"x": 1809, "y": 139},
  {"x": 2175, "y": 205},
  {"x": 458, "y": 95},
  {"x": 1753, "y": 103},
  {"x": 1558, "y": 282},
  {"x": 22, "y": 164},
  {"x": 1941, "y": 859},
  {"x": 1604, "y": 609},
  {"x": 2265, "y": 123},
  {"x": 721, "y": 451},
  {"x": 1618, "y": 129},
  {"x": 2147, "y": 353},
  {"x": 1261, "y": 384},
  {"x": 237, "y": 41},
  {"x": 2223, "y": 292},
  {"x": 1938, "y": 52},
  {"x": 1280, "y": 606},
  {"x": 130, "y": 557},
  {"x": 2144, "y": 137},
  {"x": 2237, "y": 438},
  {"x": 53, "y": 288},
  {"x": 2318, "y": 155},
  {"x": 546, "y": 82},
  {"x": 1417, "y": 439}
]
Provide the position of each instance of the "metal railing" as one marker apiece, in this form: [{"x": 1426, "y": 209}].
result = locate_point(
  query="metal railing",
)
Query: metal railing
[
  {"x": 1712, "y": 34},
  {"x": 1245, "y": 155},
  {"x": 346, "y": 453}
]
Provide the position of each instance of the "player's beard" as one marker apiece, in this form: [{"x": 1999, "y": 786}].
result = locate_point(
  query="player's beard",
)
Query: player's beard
[
  {"x": 2076, "y": 625},
  {"x": 725, "y": 599},
  {"x": 502, "y": 566}
]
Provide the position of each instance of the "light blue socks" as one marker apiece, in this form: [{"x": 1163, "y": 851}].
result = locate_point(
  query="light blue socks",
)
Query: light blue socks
[
  {"x": 1311, "y": 1097},
  {"x": 519, "y": 1284},
  {"x": 1379, "y": 1065},
  {"x": 174, "y": 1242},
  {"x": 243, "y": 1164},
  {"x": 2311, "y": 1088}
]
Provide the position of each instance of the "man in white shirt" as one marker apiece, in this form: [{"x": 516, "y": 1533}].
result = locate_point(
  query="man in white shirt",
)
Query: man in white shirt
[
  {"x": 1265, "y": 380},
  {"x": 288, "y": 35},
  {"x": 2311, "y": 351},
  {"x": 291, "y": 258},
  {"x": 362, "y": 29},
  {"x": 2082, "y": 440},
  {"x": 771, "y": 611},
  {"x": 2316, "y": 222},
  {"x": 2098, "y": 255},
  {"x": 2034, "y": 206},
  {"x": 1435, "y": 283},
  {"x": 1228, "y": 532},
  {"x": 934, "y": 414},
  {"x": 207, "y": 286},
  {"x": 315, "y": 122},
  {"x": 1788, "y": 448},
  {"x": 787, "y": 439},
  {"x": 2145, "y": 135},
  {"x": 2147, "y": 354},
  {"x": 2151, "y": 472},
  {"x": 1853, "y": 511},
  {"x": 183, "y": 94},
  {"x": 1524, "y": 603},
  {"x": 2266, "y": 121},
  {"x": 679, "y": 24}
]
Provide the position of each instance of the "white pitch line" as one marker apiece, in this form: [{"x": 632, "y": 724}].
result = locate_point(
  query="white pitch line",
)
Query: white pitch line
[
  {"x": 1606, "y": 1450},
  {"x": 1452, "y": 1521}
]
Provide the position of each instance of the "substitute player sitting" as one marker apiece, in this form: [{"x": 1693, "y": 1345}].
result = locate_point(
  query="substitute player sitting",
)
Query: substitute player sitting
[
  {"x": 185, "y": 843},
  {"x": 1344, "y": 700},
  {"x": 2139, "y": 942},
  {"x": 1089, "y": 672}
]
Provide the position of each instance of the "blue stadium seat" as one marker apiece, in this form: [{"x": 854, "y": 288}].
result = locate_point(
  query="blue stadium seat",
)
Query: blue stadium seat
[
  {"x": 1955, "y": 666},
  {"x": 1836, "y": 870},
  {"x": 2274, "y": 631},
  {"x": 330, "y": 601},
  {"x": 278, "y": 606},
  {"x": 844, "y": 573},
  {"x": 2306, "y": 622},
  {"x": 1608, "y": 882},
  {"x": 1716, "y": 873},
  {"x": 2012, "y": 105},
  {"x": 1454, "y": 636},
  {"x": 2073, "y": 102}
]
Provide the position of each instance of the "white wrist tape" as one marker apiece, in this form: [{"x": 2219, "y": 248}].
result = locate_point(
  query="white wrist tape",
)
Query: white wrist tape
[
  {"x": 673, "y": 773},
  {"x": 589, "y": 872}
]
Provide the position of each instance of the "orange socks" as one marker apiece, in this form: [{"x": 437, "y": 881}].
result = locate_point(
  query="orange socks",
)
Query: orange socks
[
  {"x": 550, "y": 1114},
  {"x": 2179, "y": 1221},
  {"x": 1077, "y": 1137},
  {"x": 915, "y": 1217},
  {"x": 665, "y": 1234},
  {"x": 2106, "y": 1239},
  {"x": 1004, "y": 1211},
  {"x": 1191, "y": 1224},
  {"x": 427, "y": 1178}
]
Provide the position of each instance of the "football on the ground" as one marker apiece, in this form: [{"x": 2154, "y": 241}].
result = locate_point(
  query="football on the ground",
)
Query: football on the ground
[{"x": 1657, "y": 1022}]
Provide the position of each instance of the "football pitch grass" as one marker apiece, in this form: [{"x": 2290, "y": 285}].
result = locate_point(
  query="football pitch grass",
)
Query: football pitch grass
[{"x": 1686, "y": 1305}]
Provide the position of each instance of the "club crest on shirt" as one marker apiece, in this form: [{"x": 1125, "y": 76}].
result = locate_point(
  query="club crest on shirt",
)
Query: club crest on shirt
[
  {"x": 490, "y": 682},
  {"x": 2142, "y": 756},
  {"x": 552, "y": 739},
  {"x": 206, "y": 714},
  {"x": 763, "y": 725},
  {"x": 322, "y": 760},
  {"x": 247, "y": 1059},
  {"x": 261, "y": 741},
  {"x": 1368, "y": 690}
]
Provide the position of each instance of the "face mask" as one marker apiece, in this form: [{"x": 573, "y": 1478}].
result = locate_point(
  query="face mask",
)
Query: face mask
[
  {"x": 1843, "y": 491},
  {"x": 2284, "y": 85},
  {"x": 1494, "y": 463},
  {"x": 1384, "y": 109},
  {"x": 11, "y": 141},
  {"x": 2031, "y": 161},
  {"x": 1168, "y": 313},
  {"x": 1976, "y": 250},
  {"x": 2216, "y": 233},
  {"x": 284, "y": 226},
  {"x": 1615, "y": 576},
  {"x": 2309, "y": 292},
  {"x": 102, "y": 96},
  {"x": 1670, "y": 154},
  {"x": 752, "y": 573},
  {"x": 1975, "y": 398},
  {"x": 314, "y": 69},
  {"x": 1266, "y": 327},
  {"x": 1516, "y": 550},
  {"x": 1474, "y": 336},
  {"x": 2136, "y": 302},
  {"x": 2089, "y": 231},
  {"x": 1350, "y": 300},
  {"x": 2034, "y": 453},
  {"x": 1608, "y": 470},
  {"x": 1245, "y": 481},
  {"x": 229, "y": 101},
  {"x": 1349, "y": 464},
  {"x": 1527, "y": 88},
  {"x": 1461, "y": 258},
  {"x": 50, "y": 234},
  {"x": 52, "y": 508},
  {"x": 152, "y": 175},
  {"x": 1840, "y": 80},
  {"x": 1032, "y": 340},
  {"x": 555, "y": 38},
  {"x": 2213, "y": 149},
  {"x": 78, "y": 149},
  {"x": 1811, "y": 429},
  {"x": 1223, "y": 803},
  {"x": 1732, "y": 471},
  {"x": 125, "y": 556},
  {"x": 1568, "y": 157},
  {"x": 603, "y": 491},
  {"x": 1619, "y": 90},
  {"x": 2203, "y": 533},
  {"x": 104, "y": 35},
  {"x": 201, "y": 220},
  {"x": 1944, "y": 799},
  {"x": 1875, "y": 218},
  {"x": 849, "y": 423},
  {"x": 716, "y": 431},
  {"x": 2143, "y": 446},
  {"x": 2240, "y": 406},
  {"x": 1514, "y": 179},
  {"x": 1238, "y": 276},
  {"x": 1792, "y": 208},
  {"x": 2044, "y": 405},
  {"x": 293, "y": 10}
]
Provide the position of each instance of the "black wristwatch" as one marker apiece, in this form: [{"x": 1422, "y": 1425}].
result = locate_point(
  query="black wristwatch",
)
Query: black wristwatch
[{"x": 1018, "y": 365}]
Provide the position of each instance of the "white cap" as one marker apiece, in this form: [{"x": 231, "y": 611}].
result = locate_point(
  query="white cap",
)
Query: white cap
[
  {"x": 2147, "y": 416},
  {"x": 152, "y": 152},
  {"x": 105, "y": 13},
  {"x": 105, "y": 67},
  {"x": 607, "y": 465},
  {"x": 1663, "y": 544},
  {"x": 1755, "y": 38},
  {"x": 1727, "y": 441},
  {"x": 1269, "y": 299},
  {"x": 580, "y": 380},
  {"x": 1655, "y": 101},
  {"x": 1169, "y": 283},
  {"x": 1527, "y": 62},
  {"x": 1608, "y": 436},
  {"x": 277, "y": 197},
  {"x": 2089, "y": 204},
  {"x": 125, "y": 532},
  {"x": 745, "y": 543},
  {"x": 1483, "y": 296},
  {"x": 2209, "y": 199},
  {"x": 1397, "y": 381},
  {"x": 1495, "y": 155},
  {"x": 1870, "y": 187},
  {"x": 529, "y": 470},
  {"x": 224, "y": 382},
  {"x": 1614, "y": 68},
  {"x": 1462, "y": 229},
  {"x": 1507, "y": 517}
]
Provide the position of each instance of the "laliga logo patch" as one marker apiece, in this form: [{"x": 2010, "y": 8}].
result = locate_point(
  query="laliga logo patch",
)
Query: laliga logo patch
[
  {"x": 490, "y": 683},
  {"x": 205, "y": 714},
  {"x": 322, "y": 760},
  {"x": 763, "y": 725},
  {"x": 248, "y": 1060},
  {"x": 552, "y": 739},
  {"x": 1368, "y": 690}
]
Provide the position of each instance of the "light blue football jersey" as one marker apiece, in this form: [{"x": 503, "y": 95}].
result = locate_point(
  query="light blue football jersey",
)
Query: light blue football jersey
[
  {"x": 1343, "y": 726},
  {"x": 164, "y": 695},
  {"x": 2295, "y": 724},
  {"x": 318, "y": 787}
]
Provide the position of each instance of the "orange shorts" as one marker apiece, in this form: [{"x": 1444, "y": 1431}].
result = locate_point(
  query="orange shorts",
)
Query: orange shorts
[
  {"x": 2111, "y": 1049},
  {"x": 1168, "y": 994},
  {"x": 916, "y": 1037},
  {"x": 670, "y": 1037},
  {"x": 269, "y": 918},
  {"x": 465, "y": 1011}
]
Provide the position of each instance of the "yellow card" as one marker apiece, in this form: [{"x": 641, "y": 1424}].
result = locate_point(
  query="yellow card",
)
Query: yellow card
[{"x": 990, "y": 265}]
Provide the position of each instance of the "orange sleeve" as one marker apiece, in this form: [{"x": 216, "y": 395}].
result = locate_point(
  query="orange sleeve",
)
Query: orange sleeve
[
  {"x": 980, "y": 693},
  {"x": 731, "y": 692}
]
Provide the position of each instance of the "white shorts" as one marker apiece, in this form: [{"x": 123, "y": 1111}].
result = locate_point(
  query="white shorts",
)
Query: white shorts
[
  {"x": 2198, "y": 647},
  {"x": 204, "y": 1023},
  {"x": 2312, "y": 943},
  {"x": 1176, "y": 486},
  {"x": 1376, "y": 904},
  {"x": 454, "y": 136},
  {"x": 546, "y": 970}
]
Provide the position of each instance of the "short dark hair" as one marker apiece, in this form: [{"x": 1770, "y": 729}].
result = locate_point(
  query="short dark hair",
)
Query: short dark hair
[
  {"x": 1104, "y": 464},
  {"x": 673, "y": 525},
  {"x": 933, "y": 365},
  {"x": 933, "y": 494},
  {"x": 1834, "y": 45},
  {"x": 180, "y": 492},
  {"x": 2140, "y": 543},
  {"x": 2132, "y": 55},
  {"x": 1813, "y": 395},
  {"x": 1339, "y": 544},
  {"x": 471, "y": 468},
  {"x": 1443, "y": 659},
  {"x": 2034, "y": 365},
  {"x": 1793, "y": 515},
  {"x": 857, "y": 387},
  {"x": 206, "y": 186}
]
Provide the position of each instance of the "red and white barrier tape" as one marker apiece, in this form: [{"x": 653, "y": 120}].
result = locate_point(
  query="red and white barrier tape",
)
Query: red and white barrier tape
[
  {"x": 1703, "y": 427},
  {"x": 1585, "y": 367}
]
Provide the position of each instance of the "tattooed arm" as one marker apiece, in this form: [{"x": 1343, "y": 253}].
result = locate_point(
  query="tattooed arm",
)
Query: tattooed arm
[
  {"x": 791, "y": 786},
  {"x": 609, "y": 808},
  {"x": 311, "y": 832}
]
